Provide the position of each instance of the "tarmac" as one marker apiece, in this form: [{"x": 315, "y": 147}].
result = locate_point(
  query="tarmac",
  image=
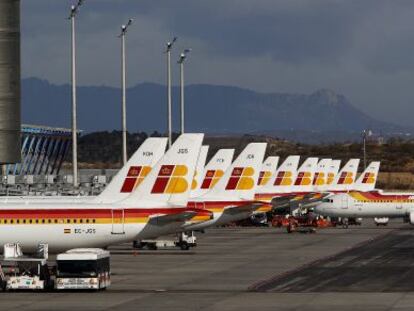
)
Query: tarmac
[{"x": 360, "y": 268}]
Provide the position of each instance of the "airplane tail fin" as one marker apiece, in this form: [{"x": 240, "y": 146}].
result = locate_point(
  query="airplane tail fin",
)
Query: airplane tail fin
[
  {"x": 345, "y": 179},
  {"x": 333, "y": 170},
  {"x": 240, "y": 179},
  {"x": 283, "y": 179},
  {"x": 213, "y": 171},
  {"x": 170, "y": 180},
  {"x": 268, "y": 169},
  {"x": 134, "y": 171},
  {"x": 306, "y": 172},
  {"x": 368, "y": 179},
  {"x": 201, "y": 162},
  {"x": 320, "y": 178}
]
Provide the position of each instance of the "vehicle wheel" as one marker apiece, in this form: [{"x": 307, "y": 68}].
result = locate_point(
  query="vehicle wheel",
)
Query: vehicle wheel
[{"x": 184, "y": 246}]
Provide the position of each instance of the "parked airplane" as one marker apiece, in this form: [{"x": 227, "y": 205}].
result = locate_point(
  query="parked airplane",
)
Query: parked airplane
[
  {"x": 121, "y": 185},
  {"x": 157, "y": 207},
  {"x": 365, "y": 182},
  {"x": 372, "y": 204},
  {"x": 232, "y": 198}
]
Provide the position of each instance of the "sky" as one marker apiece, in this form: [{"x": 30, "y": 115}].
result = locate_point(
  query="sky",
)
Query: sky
[{"x": 361, "y": 49}]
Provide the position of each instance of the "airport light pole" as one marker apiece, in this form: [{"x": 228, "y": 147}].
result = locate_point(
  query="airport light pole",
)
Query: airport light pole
[
  {"x": 365, "y": 134},
  {"x": 124, "y": 29},
  {"x": 73, "y": 12},
  {"x": 181, "y": 61},
  {"x": 169, "y": 104}
]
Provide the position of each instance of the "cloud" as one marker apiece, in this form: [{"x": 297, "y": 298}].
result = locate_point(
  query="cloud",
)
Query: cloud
[{"x": 360, "y": 48}]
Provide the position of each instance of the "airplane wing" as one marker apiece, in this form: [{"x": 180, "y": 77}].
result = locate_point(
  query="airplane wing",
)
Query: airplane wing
[
  {"x": 165, "y": 219},
  {"x": 249, "y": 207}
]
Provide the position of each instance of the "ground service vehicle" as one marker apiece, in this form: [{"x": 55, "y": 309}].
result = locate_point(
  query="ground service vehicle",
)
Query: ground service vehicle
[
  {"x": 83, "y": 268},
  {"x": 26, "y": 274}
]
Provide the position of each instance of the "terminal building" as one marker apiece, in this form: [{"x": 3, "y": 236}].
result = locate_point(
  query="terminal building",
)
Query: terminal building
[{"x": 43, "y": 151}]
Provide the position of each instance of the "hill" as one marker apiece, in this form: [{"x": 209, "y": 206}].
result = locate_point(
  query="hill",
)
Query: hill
[{"x": 320, "y": 116}]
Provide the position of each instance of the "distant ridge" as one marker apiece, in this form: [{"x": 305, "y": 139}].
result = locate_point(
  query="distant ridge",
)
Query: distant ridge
[{"x": 209, "y": 108}]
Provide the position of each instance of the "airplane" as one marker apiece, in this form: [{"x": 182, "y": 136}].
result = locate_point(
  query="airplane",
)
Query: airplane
[
  {"x": 122, "y": 184},
  {"x": 372, "y": 204},
  {"x": 232, "y": 197},
  {"x": 157, "y": 207}
]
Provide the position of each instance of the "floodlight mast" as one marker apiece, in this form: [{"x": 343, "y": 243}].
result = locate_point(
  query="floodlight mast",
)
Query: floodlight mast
[
  {"x": 124, "y": 29},
  {"x": 170, "y": 45},
  {"x": 74, "y": 9},
  {"x": 181, "y": 61}
]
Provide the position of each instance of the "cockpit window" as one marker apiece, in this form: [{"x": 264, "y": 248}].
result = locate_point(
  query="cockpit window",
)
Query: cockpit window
[{"x": 326, "y": 200}]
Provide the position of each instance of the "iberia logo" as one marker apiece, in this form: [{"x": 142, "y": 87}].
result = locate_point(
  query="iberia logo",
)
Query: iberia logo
[
  {"x": 369, "y": 178},
  {"x": 264, "y": 178},
  {"x": 135, "y": 176},
  {"x": 319, "y": 179},
  {"x": 330, "y": 179},
  {"x": 303, "y": 179},
  {"x": 241, "y": 179},
  {"x": 211, "y": 178},
  {"x": 171, "y": 179},
  {"x": 283, "y": 178},
  {"x": 346, "y": 178}
]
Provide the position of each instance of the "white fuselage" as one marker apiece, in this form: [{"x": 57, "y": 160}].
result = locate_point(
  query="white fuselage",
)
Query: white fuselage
[
  {"x": 345, "y": 206},
  {"x": 65, "y": 226}
]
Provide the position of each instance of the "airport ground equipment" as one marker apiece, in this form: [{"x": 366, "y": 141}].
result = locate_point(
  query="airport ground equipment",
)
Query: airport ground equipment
[
  {"x": 184, "y": 241},
  {"x": 83, "y": 268},
  {"x": 381, "y": 221},
  {"x": 18, "y": 272},
  {"x": 302, "y": 224}
]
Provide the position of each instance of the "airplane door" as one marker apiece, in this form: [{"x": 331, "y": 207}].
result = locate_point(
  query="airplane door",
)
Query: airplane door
[
  {"x": 399, "y": 203},
  {"x": 118, "y": 221},
  {"x": 344, "y": 202}
]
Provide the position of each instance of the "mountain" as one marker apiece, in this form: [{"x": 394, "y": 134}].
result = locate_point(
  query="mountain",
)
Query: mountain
[{"x": 209, "y": 108}]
